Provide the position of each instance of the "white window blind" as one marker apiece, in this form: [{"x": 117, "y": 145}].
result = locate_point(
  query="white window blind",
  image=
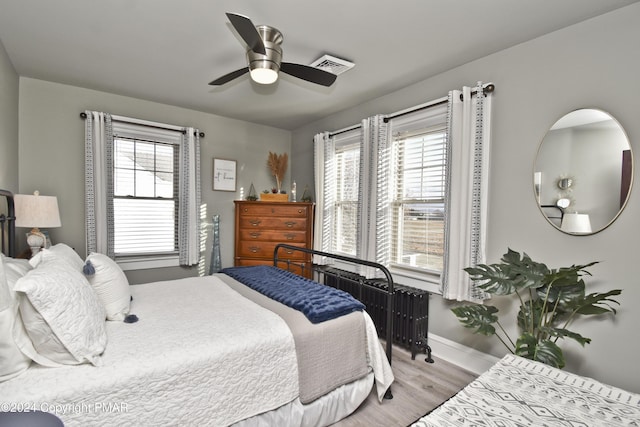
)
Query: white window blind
[
  {"x": 347, "y": 156},
  {"x": 418, "y": 189},
  {"x": 145, "y": 183}
]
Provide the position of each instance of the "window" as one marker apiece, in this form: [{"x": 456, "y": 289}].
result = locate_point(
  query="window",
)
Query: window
[
  {"x": 417, "y": 198},
  {"x": 410, "y": 216},
  {"x": 417, "y": 207},
  {"x": 145, "y": 190},
  {"x": 347, "y": 158},
  {"x": 396, "y": 215}
]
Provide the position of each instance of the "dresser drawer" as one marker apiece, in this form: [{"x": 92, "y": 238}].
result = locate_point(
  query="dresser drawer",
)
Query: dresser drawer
[
  {"x": 271, "y": 223},
  {"x": 258, "y": 234},
  {"x": 257, "y": 249},
  {"x": 263, "y": 209}
]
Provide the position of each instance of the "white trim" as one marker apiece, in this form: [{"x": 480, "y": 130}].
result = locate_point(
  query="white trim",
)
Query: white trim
[
  {"x": 467, "y": 358},
  {"x": 424, "y": 281},
  {"x": 143, "y": 263}
]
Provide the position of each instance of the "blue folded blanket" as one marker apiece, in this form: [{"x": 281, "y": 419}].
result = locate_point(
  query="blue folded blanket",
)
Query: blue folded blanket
[{"x": 317, "y": 302}]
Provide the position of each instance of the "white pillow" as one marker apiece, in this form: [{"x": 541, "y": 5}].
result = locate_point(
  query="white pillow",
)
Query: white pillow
[
  {"x": 59, "y": 252},
  {"x": 62, "y": 315},
  {"x": 14, "y": 269},
  {"x": 111, "y": 285},
  {"x": 12, "y": 361}
]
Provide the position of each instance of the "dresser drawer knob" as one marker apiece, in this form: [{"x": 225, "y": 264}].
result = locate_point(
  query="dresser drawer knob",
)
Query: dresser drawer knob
[
  {"x": 254, "y": 235},
  {"x": 254, "y": 249},
  {"x": 290, "y": 236},
  {"x": 254, "y": 222},
  {"x": 290, "y": 223}
]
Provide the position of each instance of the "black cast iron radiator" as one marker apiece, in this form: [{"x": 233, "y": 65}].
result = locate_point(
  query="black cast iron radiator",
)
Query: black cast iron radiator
[{"x": 410, "y": 313}]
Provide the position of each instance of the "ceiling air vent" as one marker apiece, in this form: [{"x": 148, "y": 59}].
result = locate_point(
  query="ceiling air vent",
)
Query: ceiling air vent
[{"x": 332, "y": 64}]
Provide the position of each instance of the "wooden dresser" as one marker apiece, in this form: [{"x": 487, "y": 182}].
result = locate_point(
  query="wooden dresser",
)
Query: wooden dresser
[{"x": 260, "y": 226}]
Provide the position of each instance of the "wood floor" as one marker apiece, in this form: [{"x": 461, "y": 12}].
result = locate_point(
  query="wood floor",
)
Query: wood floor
[{"x": 418, "y": 388}]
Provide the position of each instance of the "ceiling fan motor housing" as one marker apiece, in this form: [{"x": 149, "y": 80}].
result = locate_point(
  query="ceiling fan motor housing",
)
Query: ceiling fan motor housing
[{"x": 272, "y": 40}]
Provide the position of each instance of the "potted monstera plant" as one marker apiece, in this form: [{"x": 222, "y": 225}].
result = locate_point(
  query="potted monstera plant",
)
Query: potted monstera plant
[{"x": 550, "y": 299}]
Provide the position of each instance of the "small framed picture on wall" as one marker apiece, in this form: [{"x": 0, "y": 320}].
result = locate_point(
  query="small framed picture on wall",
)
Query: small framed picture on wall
[{"x": 224, "y": 175}]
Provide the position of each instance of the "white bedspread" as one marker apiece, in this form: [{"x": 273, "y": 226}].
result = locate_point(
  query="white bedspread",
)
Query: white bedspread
[{"x": 193, "y": 368}]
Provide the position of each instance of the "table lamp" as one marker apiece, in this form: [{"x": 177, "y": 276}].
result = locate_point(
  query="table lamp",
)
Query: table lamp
[
  {"x": 36, "y": 211},
  {"x": 576, "y": 223}
]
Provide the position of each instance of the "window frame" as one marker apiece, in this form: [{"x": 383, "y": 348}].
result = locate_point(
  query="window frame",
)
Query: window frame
[
  {"x": 399, "y": 203},
  {"x": 347, "y": 142},
  {"x": 156, "y": 135}
]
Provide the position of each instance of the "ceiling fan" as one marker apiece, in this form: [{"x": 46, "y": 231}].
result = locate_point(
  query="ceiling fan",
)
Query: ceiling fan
[{"x": 264, "y": 56}]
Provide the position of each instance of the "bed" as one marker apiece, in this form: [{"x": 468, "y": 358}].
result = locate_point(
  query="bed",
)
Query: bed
[
  {"x": 521, "y": 392},
  {"x": 197, "y": 351}
]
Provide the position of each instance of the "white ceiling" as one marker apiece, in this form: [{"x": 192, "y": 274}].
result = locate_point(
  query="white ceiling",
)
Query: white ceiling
[{"x": 168, "y": 50}]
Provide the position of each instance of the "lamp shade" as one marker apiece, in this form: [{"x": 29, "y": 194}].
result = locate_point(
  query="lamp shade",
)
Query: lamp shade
[
  {"x": 35, "y": 211},
  {"x": 576, "y": 223}
]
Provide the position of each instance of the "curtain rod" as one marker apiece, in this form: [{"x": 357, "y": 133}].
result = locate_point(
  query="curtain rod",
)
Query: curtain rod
[
  {"x": 83, "y": 116},
  {"x": 338, "y": 132},
  {"x": 487, "y": 89}
]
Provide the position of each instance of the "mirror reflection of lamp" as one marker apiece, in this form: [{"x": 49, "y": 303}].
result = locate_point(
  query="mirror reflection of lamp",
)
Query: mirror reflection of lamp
[
  {"x": 576, "y": 223},
  {"x": 35, "y": 211}
]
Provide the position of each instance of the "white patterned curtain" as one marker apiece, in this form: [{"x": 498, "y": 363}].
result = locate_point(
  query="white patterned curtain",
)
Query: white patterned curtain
[
  {"x": 325, "y": 183},
  {"x": 99, "y": 182},
  {"x": 467, "y": 196},
  {"x": 373, "y": 199},
  {"x": 189, "y": 198},
  {"x": 99, "y": 189}
]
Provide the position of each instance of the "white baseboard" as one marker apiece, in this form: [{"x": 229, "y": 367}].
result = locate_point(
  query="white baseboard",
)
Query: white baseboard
[{"x": 466, "y": 357}]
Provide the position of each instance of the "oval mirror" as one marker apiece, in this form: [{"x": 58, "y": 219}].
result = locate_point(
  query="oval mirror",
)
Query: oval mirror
[{"x": 583, "y": 172}]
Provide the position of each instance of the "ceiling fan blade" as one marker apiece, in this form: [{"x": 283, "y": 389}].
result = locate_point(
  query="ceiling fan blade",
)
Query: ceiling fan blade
[
  {"x": 228, "y": 77},
  {"x": 310, "y": 74},
  {"x": 248, "y": 32}
]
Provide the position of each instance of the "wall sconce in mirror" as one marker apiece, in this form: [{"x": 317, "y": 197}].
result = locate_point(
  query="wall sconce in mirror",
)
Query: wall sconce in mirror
[
  {"x": 564, "y": 202},
  {"x": 565, "y": 183},
  {"x": 595, "y": 148}
]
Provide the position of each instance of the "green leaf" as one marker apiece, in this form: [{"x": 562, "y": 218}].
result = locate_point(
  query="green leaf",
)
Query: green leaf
[
  {"x": 565, "y": 294},
  {"x": 597, "y": 303},
  {"x": 494, "y": 278},
  {"x": 526, "y": 272},
  {"x": 477, "y": 316},
  {"x": 565, "y": 333},
  {"x": 529, "y": 316},
  {"x": 544, "y": 351},
  {"x": 513, "y": 274}
]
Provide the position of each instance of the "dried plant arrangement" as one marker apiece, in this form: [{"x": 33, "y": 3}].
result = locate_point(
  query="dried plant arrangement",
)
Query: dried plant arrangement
[{"x": 278, "y": 165}]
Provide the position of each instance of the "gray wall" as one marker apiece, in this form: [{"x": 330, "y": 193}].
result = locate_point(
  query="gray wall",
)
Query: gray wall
[
  {"x": 8, "y": 123},
  {"x": 52, "y": 157},
  {"x": 592, "y": 64}
]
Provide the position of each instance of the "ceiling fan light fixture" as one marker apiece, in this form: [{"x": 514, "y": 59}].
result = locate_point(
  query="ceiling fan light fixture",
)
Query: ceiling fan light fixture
[
  {"x": 264, "y": 56},
  {"x": 265, "y": 75}
]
